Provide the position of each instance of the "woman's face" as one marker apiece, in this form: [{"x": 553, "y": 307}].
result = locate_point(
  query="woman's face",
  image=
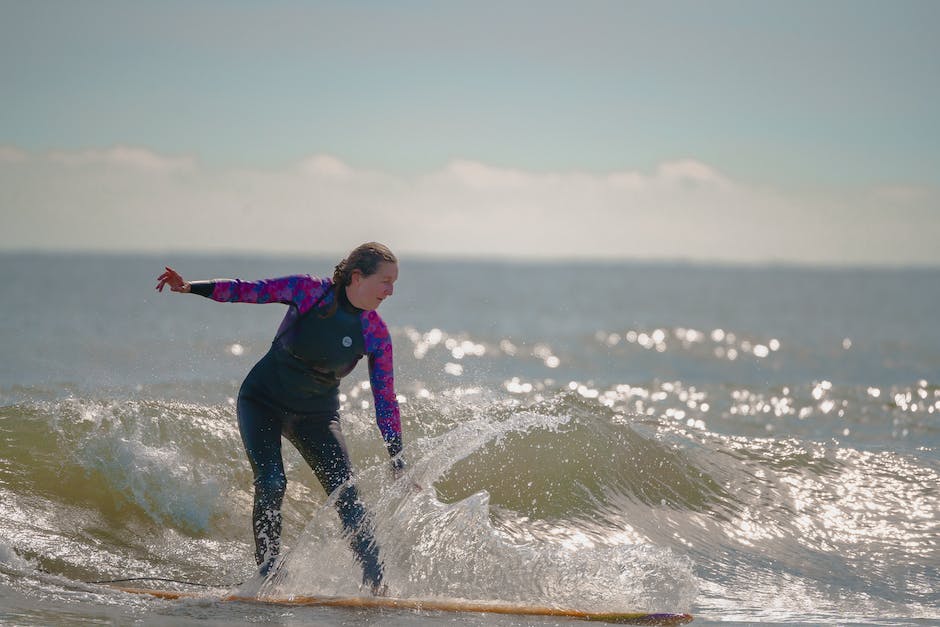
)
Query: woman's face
[{"x": 368, "y": 292}]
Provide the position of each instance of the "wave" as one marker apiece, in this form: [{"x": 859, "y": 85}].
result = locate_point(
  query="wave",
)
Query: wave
[{"x": 543, "y": 497}]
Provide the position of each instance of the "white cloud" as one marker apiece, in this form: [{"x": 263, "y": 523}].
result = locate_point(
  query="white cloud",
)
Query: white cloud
[
  {"x": 126, "y": 198},
  {"x": 686, "y": 171},
  {"x": 123, "y": 156},
  {"x": 902, "y": 194},
  {"x": 476, "y": 175},
  {"x": 326, "y": 166},
  {"x": 10, "y": 154}
]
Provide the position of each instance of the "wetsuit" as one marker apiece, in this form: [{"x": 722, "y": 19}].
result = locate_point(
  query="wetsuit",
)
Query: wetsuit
[{"x": 294, "y": 391}]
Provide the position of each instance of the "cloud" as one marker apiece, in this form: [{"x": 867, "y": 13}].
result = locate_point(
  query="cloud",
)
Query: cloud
[
  {"x": 9, "y": 154},
  {"x": 123, "y": 157},
  {"x": 691, "y": 172},
  {"x": 902, "y": 194},
  {"x": 325, "y": 166},
  {"x": 132, "y": 199}
]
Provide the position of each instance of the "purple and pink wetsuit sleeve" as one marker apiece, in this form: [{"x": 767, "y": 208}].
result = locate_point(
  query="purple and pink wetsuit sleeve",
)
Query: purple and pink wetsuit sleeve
[
  {"x": 382, "y": 379},
  {"x": 301, "y": 290}
]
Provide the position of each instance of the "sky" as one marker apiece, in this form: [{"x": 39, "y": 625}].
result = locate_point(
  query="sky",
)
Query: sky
[{"x": 723, "y": 131}]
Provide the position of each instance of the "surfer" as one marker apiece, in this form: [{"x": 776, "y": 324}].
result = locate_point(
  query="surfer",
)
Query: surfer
[{"x": 293, "y": 390}]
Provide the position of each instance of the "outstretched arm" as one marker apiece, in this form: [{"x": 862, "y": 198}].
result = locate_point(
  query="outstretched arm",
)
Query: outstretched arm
[{"x": 300, "y": 290}]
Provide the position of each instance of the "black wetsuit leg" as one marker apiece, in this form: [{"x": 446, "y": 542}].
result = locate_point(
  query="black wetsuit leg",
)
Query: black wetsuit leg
[
  {"x": 261, "y": 428},
  {"x": 320, "y": 441}
]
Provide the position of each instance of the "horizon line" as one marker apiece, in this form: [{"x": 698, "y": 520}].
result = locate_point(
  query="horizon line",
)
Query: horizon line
[{"x": 520, "y": 259}]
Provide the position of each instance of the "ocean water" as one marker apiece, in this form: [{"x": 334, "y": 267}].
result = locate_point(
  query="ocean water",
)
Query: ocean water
[{"x": 746, "y": 444}]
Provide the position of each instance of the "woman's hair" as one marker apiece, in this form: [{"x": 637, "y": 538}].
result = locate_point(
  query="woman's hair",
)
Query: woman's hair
[{"x": 365, "y": 258}]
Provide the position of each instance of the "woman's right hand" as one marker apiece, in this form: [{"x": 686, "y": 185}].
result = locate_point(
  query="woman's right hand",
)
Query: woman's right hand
[{"x": 172, "y": 278}]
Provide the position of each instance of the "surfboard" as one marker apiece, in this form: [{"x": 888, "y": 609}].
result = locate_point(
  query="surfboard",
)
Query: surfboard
[{"x": 427, "y": 605}]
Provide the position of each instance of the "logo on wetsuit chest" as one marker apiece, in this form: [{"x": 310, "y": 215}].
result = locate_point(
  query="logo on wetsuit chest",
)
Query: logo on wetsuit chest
[{"x": 347, "y": 341}]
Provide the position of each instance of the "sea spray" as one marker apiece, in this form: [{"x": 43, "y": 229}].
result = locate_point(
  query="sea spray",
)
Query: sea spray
[{"x": 459, "y": 548}]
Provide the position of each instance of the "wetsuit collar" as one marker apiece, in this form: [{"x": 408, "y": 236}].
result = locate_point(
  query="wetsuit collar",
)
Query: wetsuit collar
[{"x": 344, "y": 302}]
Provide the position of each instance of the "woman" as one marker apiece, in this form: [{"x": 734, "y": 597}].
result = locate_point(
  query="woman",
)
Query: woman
[{"x": 294, "y": 389}]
